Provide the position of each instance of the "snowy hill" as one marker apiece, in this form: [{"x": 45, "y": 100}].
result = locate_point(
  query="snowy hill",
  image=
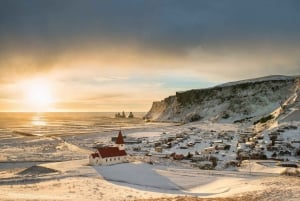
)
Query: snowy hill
[{"x": 250, "y": 101}]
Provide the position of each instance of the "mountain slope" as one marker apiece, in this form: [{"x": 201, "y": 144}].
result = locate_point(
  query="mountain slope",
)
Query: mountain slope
[{"x": 242, "y": 101}]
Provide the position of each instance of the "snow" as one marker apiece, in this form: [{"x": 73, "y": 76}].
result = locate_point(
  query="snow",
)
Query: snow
[
  {"x": 76, "y": 180},
  {"x": 254, "y": 166},
  {"x": 131, "y": 181},
  {"x": 174, "y": 180},
  {"x": 139, "y": 174},
  {"x": 266, "y": 78},
  {"x": 229, "y": 102},
  {"x": 144, "y": 134},
  {"x": 294, "y": 115}
]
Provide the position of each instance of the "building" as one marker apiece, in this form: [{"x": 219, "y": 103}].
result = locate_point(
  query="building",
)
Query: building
[
  {"x": 110, "y": 155},
  {"x": 209, "y": 150}
]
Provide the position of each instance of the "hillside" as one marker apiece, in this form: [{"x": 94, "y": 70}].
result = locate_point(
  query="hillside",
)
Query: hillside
[{"x": 250, "y": 101}]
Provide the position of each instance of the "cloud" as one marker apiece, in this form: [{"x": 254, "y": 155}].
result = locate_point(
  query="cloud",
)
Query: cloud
[
  {"x": 245, "y": 60},
  {"x": 121, "y": 50},
  {"x": 168, "y": 25}
]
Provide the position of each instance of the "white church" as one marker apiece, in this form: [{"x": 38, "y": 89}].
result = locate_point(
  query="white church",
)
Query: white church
[{"x": 110, "y": 155}]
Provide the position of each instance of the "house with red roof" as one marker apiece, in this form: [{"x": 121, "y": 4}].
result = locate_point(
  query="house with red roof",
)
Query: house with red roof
[{"x": 111, "y": 154}]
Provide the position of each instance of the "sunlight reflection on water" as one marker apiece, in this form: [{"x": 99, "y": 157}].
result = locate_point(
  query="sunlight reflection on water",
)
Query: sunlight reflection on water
[
  {"x": 38, "y": 120},
  {"x": 65, "y": 123}
]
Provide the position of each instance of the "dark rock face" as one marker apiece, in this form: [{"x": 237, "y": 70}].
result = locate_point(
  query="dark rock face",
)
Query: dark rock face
[{"x": 192, "y": 117}]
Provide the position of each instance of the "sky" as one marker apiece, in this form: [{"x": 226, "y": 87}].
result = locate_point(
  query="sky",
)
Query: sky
[{"x": 119, "y": 55}]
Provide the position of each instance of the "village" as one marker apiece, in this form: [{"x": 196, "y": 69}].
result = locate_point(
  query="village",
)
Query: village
[{"x": 207, "y": 148}]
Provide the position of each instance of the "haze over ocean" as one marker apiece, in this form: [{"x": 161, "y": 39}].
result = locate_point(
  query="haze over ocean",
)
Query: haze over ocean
[{"x": 65, "y": 123}]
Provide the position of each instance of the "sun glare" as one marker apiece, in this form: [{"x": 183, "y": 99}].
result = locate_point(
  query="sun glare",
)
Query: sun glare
[{"x": 38, "y": 95}]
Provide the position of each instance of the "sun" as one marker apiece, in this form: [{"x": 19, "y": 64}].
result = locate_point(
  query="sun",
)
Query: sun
[{"x": 38, "y": 95}]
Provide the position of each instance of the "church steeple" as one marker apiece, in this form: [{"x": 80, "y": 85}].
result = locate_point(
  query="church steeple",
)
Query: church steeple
[{"x": 120, "y": 141}]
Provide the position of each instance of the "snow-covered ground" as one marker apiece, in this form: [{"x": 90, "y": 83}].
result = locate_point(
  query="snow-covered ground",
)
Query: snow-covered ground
[
  {"x": 267, "y": 78},
  {"x": 131, "y": 181},
  {"x": 145, "y": 177}
]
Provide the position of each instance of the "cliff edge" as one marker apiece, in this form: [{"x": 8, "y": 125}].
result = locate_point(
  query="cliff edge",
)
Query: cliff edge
[{"x": 234, "y": 102}]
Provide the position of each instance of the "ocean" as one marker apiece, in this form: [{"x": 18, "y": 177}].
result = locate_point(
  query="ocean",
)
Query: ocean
[{"x": 62, "y": 123}]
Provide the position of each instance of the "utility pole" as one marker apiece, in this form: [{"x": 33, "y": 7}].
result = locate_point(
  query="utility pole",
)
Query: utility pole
[{"x": 249, "y": 163}]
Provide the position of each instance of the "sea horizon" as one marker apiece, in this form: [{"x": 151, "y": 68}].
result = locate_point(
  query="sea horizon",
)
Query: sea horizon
[{"x": 65, "y": 123}]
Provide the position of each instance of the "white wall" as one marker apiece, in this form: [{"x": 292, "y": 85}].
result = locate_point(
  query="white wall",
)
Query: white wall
[
  {"x": 113, "y": 160},
  {"x": 107, "y": 161}
]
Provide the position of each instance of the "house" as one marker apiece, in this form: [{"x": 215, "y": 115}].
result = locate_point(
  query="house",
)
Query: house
[
  {"x": 209, "y": 150},
  {"x": 220, "y": 146},
  {"x": 197, "y": 158},
  {"x": 110, "y": 155},
  {"x": 158, "y": 149},
  {"x": 177, "y": 156}
]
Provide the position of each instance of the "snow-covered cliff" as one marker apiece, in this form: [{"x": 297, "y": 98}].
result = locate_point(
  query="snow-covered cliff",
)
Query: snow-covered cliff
[{"x": 242, "y": 101}]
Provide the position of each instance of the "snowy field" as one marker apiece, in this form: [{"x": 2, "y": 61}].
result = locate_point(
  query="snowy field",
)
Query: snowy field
[
  {"x": 131, "y": 181},
  {"x": 172, "y": 180},
  {"x": 32, "y": 168}
]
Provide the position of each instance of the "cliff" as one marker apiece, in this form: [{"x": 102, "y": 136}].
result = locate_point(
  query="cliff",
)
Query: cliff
[{"x": 242, "y": 101}]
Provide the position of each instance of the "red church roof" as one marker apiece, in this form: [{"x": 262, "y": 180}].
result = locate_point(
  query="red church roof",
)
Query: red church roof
[
  {"x": 120, "y": 139},
  {"x": 107, "y": 152}
]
